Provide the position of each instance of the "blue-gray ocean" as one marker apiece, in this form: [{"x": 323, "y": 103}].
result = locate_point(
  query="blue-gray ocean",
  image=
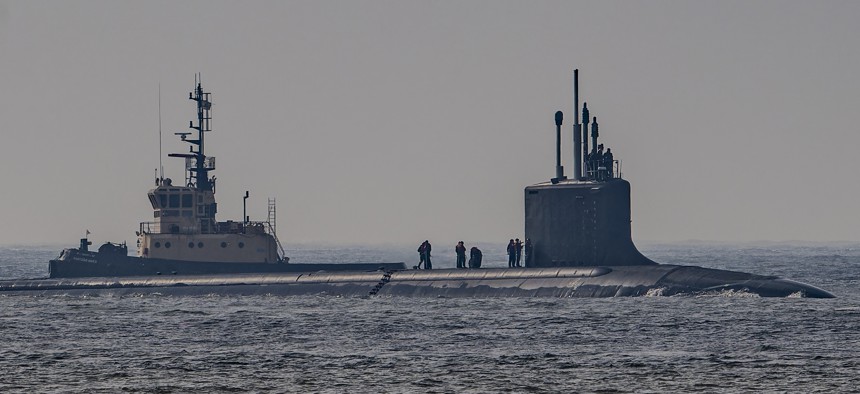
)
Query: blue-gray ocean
[{"x": 732, "y": 342}]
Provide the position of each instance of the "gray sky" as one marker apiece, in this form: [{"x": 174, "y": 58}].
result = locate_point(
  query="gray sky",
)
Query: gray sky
[{"x": 397, "y": 121}]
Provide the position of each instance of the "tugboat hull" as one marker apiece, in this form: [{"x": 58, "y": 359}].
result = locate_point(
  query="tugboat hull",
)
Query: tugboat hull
[{"x": 75, "y": 263}]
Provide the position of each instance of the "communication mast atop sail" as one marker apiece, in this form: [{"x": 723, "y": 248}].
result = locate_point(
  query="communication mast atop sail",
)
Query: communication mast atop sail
[{"x": 197, "y": 163}]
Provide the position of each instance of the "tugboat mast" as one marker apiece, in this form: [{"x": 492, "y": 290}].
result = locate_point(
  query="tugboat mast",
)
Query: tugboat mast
[{"x": 198, "y": 170}]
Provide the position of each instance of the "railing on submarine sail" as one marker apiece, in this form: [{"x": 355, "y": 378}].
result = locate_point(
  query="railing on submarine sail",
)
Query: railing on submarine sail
[{"x": 602, "y": 173}]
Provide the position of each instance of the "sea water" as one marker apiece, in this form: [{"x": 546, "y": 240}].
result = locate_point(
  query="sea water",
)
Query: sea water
[{"x": 728, "y": 342}]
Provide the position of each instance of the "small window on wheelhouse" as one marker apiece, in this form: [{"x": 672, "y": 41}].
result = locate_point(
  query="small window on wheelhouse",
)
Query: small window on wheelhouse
[{"x": 187, "y": 201}]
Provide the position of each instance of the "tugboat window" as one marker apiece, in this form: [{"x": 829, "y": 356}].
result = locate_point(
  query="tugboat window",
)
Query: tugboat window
[
  {"x": 158, "y": 244},
  {"x": 174, "y": 201},
  {"x": 223, "y": 244},
  {"x": 186, "y": 201},
  {"x": 200, "y": 244},
  {"x": 191, "y": 244},
  {"x": 167, "y": 245},
  {"x": 241, "y": 245},
  {"x": 162, "y": 200}
]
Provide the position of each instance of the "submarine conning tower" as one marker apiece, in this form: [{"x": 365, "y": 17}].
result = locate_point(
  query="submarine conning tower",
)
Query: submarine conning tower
[{"x": 583, "y": 220}]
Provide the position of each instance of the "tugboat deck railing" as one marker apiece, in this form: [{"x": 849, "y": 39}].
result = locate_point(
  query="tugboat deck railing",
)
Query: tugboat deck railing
[
  {"x": 271, "y": 230},
  {"x": 219, "y": 228}
]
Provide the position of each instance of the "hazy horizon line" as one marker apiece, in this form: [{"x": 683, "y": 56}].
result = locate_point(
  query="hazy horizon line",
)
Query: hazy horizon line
[{"x": 687, "y": 242}]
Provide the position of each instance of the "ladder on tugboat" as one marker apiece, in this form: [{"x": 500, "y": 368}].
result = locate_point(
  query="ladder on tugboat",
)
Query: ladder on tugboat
[{"x": 272, "y": 224}]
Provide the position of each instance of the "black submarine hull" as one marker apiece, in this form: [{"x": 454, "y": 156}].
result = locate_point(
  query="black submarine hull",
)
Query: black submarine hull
[
  {"x": 76, "y": 263},
  {"x": 558, "y": 282}
]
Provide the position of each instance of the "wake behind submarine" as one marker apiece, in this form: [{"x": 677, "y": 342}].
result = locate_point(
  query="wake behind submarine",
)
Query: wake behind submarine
[{"x": 579, "y": 228}]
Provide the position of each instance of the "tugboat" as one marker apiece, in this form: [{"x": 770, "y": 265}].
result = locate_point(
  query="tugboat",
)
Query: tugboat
[{"x": 185, "y": 237}]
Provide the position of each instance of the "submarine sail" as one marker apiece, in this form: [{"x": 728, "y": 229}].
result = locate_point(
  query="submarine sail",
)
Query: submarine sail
[{"x": 584, "y": 220}]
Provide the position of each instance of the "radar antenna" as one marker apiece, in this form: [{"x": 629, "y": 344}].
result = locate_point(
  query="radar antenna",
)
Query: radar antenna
[{"x": 197, "y": 164}]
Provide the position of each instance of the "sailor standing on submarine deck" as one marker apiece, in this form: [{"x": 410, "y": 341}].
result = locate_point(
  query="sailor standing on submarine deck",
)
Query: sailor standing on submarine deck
[
  {"x": 512, "y": 254},
  {"x": 421, "y": 254},
  {"x": 460, "y": 249},
  {"x": 427, "y": 264},
  {"x": 518, "y": 245}
]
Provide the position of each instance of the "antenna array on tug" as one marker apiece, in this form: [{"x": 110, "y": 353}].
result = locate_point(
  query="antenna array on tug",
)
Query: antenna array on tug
[{"x": 196, "y": 162}]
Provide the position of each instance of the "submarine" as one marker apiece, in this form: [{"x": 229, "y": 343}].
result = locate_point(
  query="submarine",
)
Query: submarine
[{"x": 577, "y": 229}]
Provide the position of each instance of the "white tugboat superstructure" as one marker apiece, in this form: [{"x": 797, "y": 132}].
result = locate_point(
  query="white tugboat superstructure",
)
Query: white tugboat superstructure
[{"x": 185, "y": 227}]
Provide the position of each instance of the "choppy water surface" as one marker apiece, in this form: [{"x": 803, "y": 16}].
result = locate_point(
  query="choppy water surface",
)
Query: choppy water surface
[{"x": 728, "y": 343}]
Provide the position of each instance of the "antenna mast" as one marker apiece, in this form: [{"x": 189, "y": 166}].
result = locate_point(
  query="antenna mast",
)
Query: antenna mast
[
  {"x": 160, "y": 174},
  {"x": 577, "y": 130},
  {"x": 196, "y": 162}
]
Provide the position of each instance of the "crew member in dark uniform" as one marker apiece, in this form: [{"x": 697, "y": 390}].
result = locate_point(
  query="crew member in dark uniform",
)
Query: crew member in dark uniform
[
  {"x": 598, "y": 162},
  {"x": 427, "y": 264},
  {"x": 421, "y": 254},
  {"x": 475, "y": 257},
  {"x": 529, "y": 249},
  {"x": 589, "y": 165},
  {"x": 518, "y": 245},
  {"x": 460, "y": 249},
  {"x": 609, "y": 162},
  {"x": 512, "y": 254}
]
